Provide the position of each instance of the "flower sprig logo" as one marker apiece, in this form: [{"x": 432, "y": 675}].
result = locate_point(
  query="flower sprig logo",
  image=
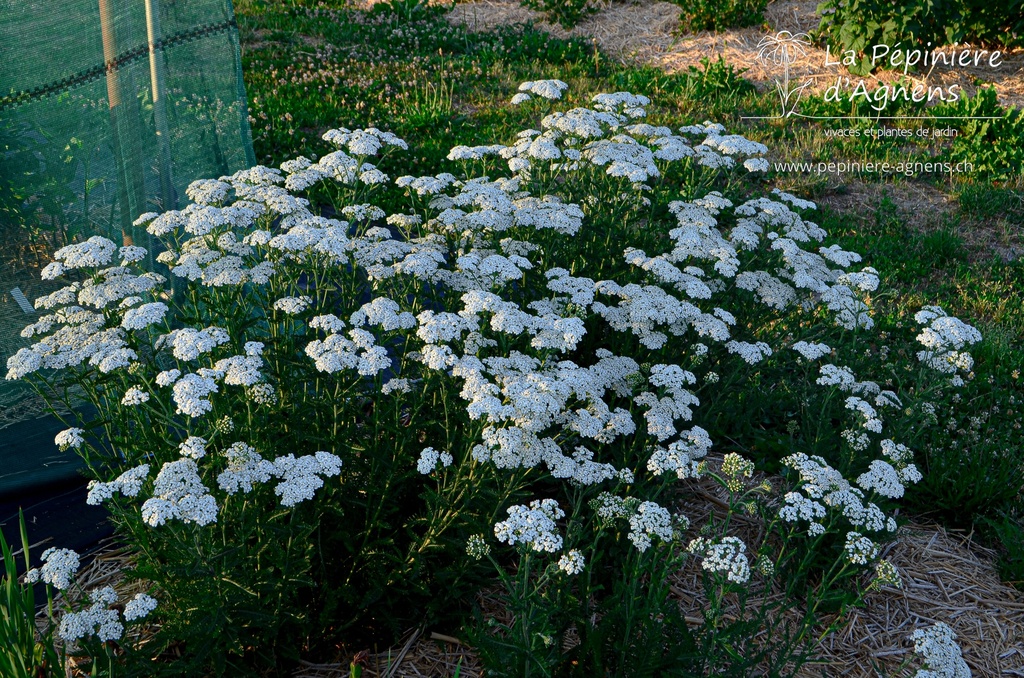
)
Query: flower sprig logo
[{"x": 781, "y": 50}]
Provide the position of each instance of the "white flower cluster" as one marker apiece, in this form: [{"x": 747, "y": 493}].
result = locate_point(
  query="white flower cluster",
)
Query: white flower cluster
[
  {"x": 477, "y": 547},
  {"x": 682, "y": 455},
  {"x": 572, "y": 562},
  {"x": 191, "y": 392},
  {"x": 529, "y": 400},
  {"x": 429, "y": 459},
  {"x": 300, "y": 477},
  {"x": 944, "y": 337},
  {"x": 135, "y": 396},
  {"x": 534, "y": 526},
  {"x": 942, "y": 656},
  {"x": 76, "y": 336},
  {"x": 143, "y": 316},
  {"x": 59, "y": 566},
  {"x": 95, "y": 252},
  {"x": 139, "y": 606},
  {"x": 649, "y": 520},
  {"x": 358, "y": 351},
  {"x": 548, "y": 89},
  {"x": 811, "y": 351},
  {"x": 292, "y": 305},
  {"x": 798, "y": 507},
  {"x": 827, "y": 487},
  {"x": 884, "y": 479},
  {"x": 68, "y": 438},
  {"x": 179, "y": 493},
  {"x": 129, "y": 484},
  {"x": 246, "y": 468},
  {"x": 728, "y": 555},
  {"x": 188, "y": 343},
  {"x": 99, "y": 620},
  {"x": 363, "y": 141},
  {"x": 751, "y": 353},
  {"x": 860, "y": 550}
]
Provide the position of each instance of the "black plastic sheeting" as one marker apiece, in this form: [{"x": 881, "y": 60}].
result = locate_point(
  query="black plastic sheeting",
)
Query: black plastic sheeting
[
  {"x": 29, "y": 459},
  {"x": 57, "y": 519},
  {"x": 49, "y": 487}
]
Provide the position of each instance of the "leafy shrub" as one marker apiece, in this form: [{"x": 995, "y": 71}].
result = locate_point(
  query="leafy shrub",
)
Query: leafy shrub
[
  {"x": 712, "y": 15},
  {"x": 858, "y": 25},
  {"x": 993, "y": 146},
  {"x": 354, "y": 382}
]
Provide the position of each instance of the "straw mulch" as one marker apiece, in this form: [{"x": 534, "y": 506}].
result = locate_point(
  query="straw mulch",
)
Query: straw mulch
[
  {"x": 946, "y": 576},
  {"x": 646, "y": 31},
  {"x": 418, "y": 655}
]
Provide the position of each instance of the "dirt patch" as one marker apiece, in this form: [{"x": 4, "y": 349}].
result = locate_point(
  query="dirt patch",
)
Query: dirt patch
[
  {"x": 925, "y": 209},
  {"x": 921, "y": 206}
]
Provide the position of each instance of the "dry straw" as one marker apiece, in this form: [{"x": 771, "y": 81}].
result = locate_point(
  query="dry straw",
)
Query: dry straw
[{"x": 946, "y": 576}]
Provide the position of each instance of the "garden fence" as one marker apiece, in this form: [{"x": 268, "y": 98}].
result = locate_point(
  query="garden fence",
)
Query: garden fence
[{"x": 108, "y": 109}]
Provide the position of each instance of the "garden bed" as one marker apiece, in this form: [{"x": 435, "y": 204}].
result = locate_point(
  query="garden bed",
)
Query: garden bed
[{"x": 361, "y": 520}]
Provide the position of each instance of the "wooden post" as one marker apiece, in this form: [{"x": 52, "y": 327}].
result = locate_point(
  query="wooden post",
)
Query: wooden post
[
  {"x": 114, "y": 101},
  {"x": 156, "y": 79}
]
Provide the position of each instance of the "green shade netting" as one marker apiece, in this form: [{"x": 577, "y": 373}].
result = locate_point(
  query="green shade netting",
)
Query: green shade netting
[{"x": 73, "y": 166}]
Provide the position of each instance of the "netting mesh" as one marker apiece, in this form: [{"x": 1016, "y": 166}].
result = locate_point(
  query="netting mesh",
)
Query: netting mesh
[{"x": 108, "y": 108}]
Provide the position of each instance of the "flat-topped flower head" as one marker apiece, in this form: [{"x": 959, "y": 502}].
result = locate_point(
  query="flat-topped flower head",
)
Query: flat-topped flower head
[
  {"x": 140, "y": 606},
  {"x": 942, "y": 656},
  {"x": 59, "y": 567},
  {"x": 726, "y": 555},
  {"x": 95, "y": 252},
  {"x": 572, "y": 562},
  {"x": 649, "y": 520},
  {"x": 68, "y": 438},
  {"x": 534, "y": 526},
  {"x": 548, "y": 89}
]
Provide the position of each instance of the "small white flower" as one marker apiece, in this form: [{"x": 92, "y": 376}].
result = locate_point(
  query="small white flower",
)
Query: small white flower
[
  {"x": 292, "y": 305},
  {"x": 548, "y": 89},
  {"x": 71, "y": 437},
  {"x": 143, "y": 316},
  {"x": 572, "y": 562},
  {"x": 860, "y": 549},
  {"x": 756, "y": 164},
  {"x": 167, "y": 377},
  {"x": 429, "y": 459},
  {"x": 532, "y": 526},
  {"x": 943, "y": 657},
  {"x": 726, "y": 555},
  {"x": 135, "y": 396},
  {"x": 59, "y": 566},
  {"x": 193, "y": 447},
  {"x": 139, "y": 606}
]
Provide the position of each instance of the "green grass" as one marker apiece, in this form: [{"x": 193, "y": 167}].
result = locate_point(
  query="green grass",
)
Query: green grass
[{"x": 402, "y": 67}]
